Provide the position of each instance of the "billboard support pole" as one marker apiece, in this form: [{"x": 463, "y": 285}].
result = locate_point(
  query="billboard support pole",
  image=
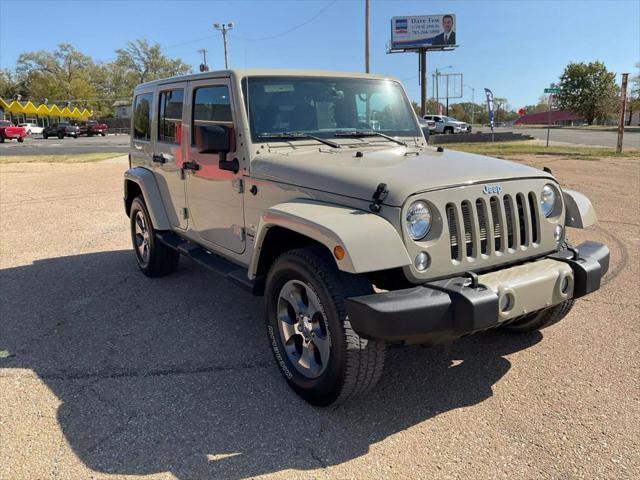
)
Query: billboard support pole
[
  {"x": 623, "y": 108},
  {"x": 366, "y": 36},
  {"x": 423, "y": 82}
]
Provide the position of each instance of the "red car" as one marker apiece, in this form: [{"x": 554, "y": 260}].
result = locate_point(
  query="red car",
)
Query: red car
[
  {"x": 93, "y": 128},
  {"x": 8, "y": 131}
]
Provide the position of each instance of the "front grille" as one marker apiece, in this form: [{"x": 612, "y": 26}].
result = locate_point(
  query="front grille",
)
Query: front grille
[{"x": 483, "y": 226}]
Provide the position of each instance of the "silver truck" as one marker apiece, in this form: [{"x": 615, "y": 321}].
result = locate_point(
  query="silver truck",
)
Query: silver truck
[
  {"x": 317, "y": 190},
  {"x": 448, "y": 125}
]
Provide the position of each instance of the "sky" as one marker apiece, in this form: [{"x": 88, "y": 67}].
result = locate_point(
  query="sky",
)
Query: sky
[{"x": 515, "y": 48}]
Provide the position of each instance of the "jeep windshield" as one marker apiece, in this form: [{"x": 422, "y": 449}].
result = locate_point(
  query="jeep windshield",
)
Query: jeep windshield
[{"x": 327, "y": 107}]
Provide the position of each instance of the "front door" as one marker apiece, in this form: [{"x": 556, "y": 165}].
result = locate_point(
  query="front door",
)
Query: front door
[
  {"x": 169, "y": 151},
  {"x": 214, "y": 196}
]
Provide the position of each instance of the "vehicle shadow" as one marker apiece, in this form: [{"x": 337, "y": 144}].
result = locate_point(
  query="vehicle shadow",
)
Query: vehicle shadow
[{"x": 175, "y": 374}]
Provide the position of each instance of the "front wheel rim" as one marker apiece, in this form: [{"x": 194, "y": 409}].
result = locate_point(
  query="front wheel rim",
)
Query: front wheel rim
[
  {"x": 141, "y": 237},
  {"x": 302, "y": 325}
]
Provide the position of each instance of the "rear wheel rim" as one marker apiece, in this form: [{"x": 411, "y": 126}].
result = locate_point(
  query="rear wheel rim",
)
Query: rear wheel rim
[
  {"x": 302, "y": 326},
  {"x": 141, "y": 237}
]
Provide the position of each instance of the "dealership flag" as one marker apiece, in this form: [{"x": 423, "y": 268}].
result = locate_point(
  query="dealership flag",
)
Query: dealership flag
[{"x": 489, "y": 94}]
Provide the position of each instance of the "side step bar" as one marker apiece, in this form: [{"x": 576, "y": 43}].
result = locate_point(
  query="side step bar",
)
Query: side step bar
[{"x": 209, "y": 260}]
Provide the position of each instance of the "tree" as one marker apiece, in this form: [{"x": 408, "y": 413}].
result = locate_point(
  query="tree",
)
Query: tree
[
  {"x": 634, "y": 95},
  {"x": 63, "y": 74},
  {"x": 9, "y": 86},
  {"x": 147, "y": 62},
  {"x": 541, "y": 106},
  {"x": 589, "y": 90}
]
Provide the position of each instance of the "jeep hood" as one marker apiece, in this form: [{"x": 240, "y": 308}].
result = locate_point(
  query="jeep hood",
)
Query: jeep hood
[{"x": 405, "y": 173}]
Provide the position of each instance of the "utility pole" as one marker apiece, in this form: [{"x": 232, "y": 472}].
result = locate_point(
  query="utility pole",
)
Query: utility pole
[
  {"x": 366, "y": 36},
  {"x": 203, "y": 66},
  {"x": 623, "y": 108},
  {"x": 224, "y": 28}
]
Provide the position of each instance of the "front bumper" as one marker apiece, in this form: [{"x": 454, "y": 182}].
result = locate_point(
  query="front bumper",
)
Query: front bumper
[{"x": 444, "y": 310}]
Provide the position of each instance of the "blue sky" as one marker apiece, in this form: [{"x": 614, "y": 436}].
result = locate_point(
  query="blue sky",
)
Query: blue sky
[{"x": 516, "y": 48}]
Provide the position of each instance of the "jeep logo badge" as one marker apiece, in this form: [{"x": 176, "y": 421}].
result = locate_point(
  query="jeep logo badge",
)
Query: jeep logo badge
[{"x": 489, "y": 189}]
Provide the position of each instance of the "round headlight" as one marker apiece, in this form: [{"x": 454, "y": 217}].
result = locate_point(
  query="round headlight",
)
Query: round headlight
[
  {"x": 418, "y": 220},
  {"x": 548, "y": 199}
]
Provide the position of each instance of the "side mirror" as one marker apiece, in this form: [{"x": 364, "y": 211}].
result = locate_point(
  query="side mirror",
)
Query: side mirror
[
  {"x": 217, "y": 139},
  {"x": 213, "y": 139}
]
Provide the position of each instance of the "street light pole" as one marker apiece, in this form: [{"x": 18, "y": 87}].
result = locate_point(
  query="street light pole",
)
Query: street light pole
[{"x": 224, "y": 28}]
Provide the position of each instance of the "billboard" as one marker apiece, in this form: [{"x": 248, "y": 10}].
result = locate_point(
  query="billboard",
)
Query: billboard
[{"x": 425, "y": 31}]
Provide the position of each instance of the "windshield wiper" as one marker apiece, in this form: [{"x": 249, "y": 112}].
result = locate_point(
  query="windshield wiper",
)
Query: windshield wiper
[
  {"x": 369, "y": 133},
  {"x": 299, "y": 135}
]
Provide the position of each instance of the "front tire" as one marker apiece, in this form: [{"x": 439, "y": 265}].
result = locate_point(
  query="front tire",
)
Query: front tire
[
  {"x": 60, "y": 136},
  {"x": 20, "y": 139},
  {"x": 321, "y": 357},
  {"x": 154, "y": 258},
  {"x": 45, "y": 135}
]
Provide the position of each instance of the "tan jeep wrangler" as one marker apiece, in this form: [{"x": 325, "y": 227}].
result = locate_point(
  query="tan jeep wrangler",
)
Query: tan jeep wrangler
[{"x": 318, "y": 191}]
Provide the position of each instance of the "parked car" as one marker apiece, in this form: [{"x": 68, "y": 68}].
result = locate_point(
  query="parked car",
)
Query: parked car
[
  {"x": 61, "y": 130},
  {"x": 31, "y": 128},
  {"x": 427, "y": 127},
  {"x": 446, "y": 124},
  {"x": 8, "y": 131},
  {"x": 357, "y": 236},
  {"x": 91, "y": 128}
]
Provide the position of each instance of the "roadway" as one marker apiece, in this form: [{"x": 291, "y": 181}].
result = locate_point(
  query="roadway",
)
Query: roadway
[
  {"x": 36, "y": 145},
  {"x": 576, "y": 136}
]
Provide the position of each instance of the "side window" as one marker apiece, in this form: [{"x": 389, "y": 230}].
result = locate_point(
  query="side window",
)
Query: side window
[
  {"x": 170, "y": 116},
  {"x": 142, "y": 117},
  {"x": 211, "y": 105}
]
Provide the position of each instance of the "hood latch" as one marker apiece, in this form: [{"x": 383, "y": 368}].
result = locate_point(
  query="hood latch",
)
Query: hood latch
[{"x": 378, "y": 197}]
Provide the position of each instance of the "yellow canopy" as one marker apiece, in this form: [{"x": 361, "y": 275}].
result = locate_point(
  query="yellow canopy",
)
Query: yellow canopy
[
  {"x": 55, "y": 111},
  {"x": 4, "y": 105},
  {"x": 16, "y": 107},
  {"x": 86, "y": 114},
  {"x": 30, "y": 108},
  {"x": 66, "y": 112},
  {"x": 43, "y": 110}
]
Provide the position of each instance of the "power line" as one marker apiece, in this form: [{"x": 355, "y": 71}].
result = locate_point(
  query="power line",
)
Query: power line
[
  {"x": 281, "y": 34},
  {"x": 189, "y": 42}
]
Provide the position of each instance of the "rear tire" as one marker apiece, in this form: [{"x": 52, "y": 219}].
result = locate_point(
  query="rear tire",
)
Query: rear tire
[
  {"x": 60, "y": 136},
  {"x": 103, "y": 134},
  {"x": 154, "y": 258},
  {"x": 541, "y": 319},
  {"x": 321, "y": 357}
]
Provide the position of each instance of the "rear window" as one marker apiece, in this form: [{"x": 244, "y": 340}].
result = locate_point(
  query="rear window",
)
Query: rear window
[{"x": 142, "y": 116}]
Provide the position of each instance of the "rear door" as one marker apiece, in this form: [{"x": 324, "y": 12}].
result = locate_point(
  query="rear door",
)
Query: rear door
[
  {"x": 168, "y": 153},
  {"x": 214, "y": 196}
]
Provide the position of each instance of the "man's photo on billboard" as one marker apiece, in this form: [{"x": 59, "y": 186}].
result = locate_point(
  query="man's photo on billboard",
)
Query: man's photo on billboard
[{"x": 448, "y": 36}]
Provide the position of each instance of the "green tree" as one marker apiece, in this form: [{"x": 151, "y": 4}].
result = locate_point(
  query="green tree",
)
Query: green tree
[
  {"x": 63, "y": 74},
  {"x": 589, "y": 90},
  {"x": 9, "y": 87},
  {"x": 147, "y": 62},
  {"x": 634, "y": 95}
]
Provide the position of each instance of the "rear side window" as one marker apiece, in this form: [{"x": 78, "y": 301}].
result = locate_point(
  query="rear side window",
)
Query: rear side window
[
  {"x": 142, "y": 116},
  {"x": 170, "y": 118}
]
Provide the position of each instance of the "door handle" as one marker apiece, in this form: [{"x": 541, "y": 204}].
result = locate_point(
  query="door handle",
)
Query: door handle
[
  {"x": 190, "y": 166},
  {"x": 159, "y": 158}
]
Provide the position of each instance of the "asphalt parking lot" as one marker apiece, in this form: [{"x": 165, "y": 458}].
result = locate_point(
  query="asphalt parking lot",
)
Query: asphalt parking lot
[
  {"x": 36, "y": 145},
  {"x": 109, "y": 374}
]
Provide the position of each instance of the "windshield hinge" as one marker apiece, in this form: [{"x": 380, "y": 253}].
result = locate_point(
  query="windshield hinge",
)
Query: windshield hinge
[{"x": 378, "y": 197}]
